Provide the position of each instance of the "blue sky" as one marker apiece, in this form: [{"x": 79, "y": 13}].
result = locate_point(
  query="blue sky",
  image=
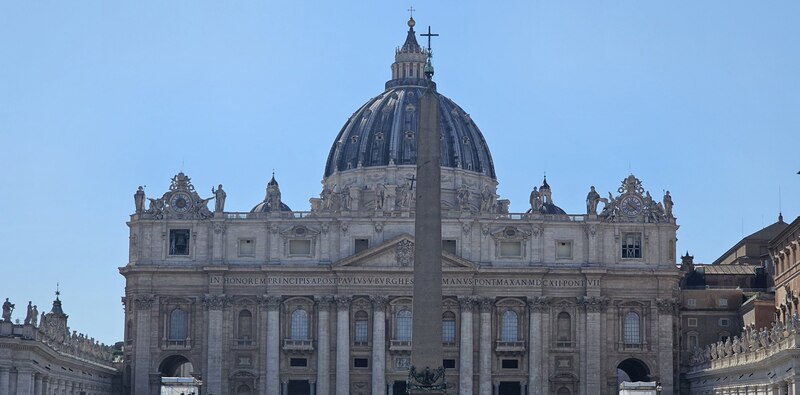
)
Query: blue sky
[{"x": 96, "y": 98}]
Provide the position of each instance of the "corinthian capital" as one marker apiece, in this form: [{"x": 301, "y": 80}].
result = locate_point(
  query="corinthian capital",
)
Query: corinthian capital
[
  {"x": 593, "y": 304},
  {"x": 379, "y": 302},
  {"x": 271, "y": 302},
  {"x": 343, "y": 302},
  {"x": 216, "y": 302},
  {"x": 539, "y": 304}
]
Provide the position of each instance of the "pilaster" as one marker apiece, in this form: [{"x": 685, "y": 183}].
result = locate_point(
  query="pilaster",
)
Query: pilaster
[
  {"x": 141, "y": 369},
  {"x": 465, "y": 367},
  {"x": 213, "y": 377},
  {"x": 537, "y": 306},
  {"x": 378, "y": 344},
  {"x": 323, "y": 345},
  {"x": 343, "y": 345},
  {"x": 273, "y": 303},
  {"x": 485, "y": 347}
]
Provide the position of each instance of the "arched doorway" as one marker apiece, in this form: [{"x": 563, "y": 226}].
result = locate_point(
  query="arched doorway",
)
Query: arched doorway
[
  {"x": 177, "y": 376},
  {"x": 632, "y": 369}
]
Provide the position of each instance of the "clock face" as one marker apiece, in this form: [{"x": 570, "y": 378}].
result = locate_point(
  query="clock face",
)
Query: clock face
[
  {"x": 180, "y": 202},
  {"x": 631, "y": 206}
]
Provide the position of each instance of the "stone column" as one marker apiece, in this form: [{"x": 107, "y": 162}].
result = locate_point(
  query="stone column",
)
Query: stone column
[
  {"x": 537, "y": 306},
  {"x": 24, "y": 381},
  {"x": 666, "y": 312},
  {"x": 794, "y": 387},
  {"x": 378, "y": 344},
  {"x": 323, "y": 345},
  {"x": 485, "y": 348},
  {"x": 465, "y": 368},
  {"x": 141, "y": 349},
  {"x": 594, "y": 306},
  {"x": 213, "y": 377},
  {"x": 312, "y": 387},
  {"x": 37, "y": 384},
  {"x": 4, "y": 381},
  {"x": 273, "y": 345},
  {"x": 285, "y": 387},
  {"x": 343, "y": 345}
]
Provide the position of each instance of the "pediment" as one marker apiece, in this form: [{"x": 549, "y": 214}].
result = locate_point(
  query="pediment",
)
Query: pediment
[{"x": 398, "y": 253}]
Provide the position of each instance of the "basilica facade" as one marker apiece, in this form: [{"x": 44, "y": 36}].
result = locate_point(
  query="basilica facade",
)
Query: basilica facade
[{"x": 318, "y": 301}]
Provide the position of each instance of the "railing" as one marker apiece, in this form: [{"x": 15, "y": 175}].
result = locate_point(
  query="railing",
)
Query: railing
[
  {"x": 410, "y": 214},
  {"x": 399, "y": 345},
  {"x": 505, "y": 346},
  {"x": 243, "y": 343},
  {"x": 174, "y": 344},
  {"x": 298, "y": 345}
]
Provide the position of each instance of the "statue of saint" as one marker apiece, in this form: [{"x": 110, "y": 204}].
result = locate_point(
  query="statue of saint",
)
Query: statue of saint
[
  {"x": 668, "y": 205},
  {"x": 220, "y": 196},
  {"x": 463, "y": 198},
  {"x": 8, "y": 308},
  {"x": 380, "y": 196},
  {"x": 327, "y": 198},
  {"x": 591, "y": 201},
  {"x": 28, "y": 314},
  {"x": 138, "y": 199},
  {"x": 488, "y": 200},
  {"x": 34, "y": 315},
  {"x": 535, "y": 200}
]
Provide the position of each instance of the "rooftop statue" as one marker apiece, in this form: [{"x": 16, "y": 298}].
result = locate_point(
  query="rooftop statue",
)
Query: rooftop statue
[{"x": 8, "y": 308}]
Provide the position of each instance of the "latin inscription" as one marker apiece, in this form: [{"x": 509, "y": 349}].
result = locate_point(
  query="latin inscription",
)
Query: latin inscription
[{"x": 401, "y": 281}]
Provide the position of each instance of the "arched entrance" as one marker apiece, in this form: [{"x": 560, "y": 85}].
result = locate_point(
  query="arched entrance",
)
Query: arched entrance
[
  {"x": 177, "y": 376},
  {"x": 632, "y": 369},
  {"x": 176, "y": 366}
]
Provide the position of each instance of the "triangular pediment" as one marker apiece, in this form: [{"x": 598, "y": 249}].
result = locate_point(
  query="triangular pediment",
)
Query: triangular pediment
[{"x": 398, "y": 253}]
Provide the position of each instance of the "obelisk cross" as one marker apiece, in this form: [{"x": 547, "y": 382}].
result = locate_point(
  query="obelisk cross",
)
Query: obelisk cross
[{"x": 429, "y": 35}]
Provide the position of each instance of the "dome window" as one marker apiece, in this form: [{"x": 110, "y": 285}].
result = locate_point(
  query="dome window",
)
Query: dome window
[
  {"x": 410, "y": 135},
  {"x": 465, "y": 140},
  {"x": 379, "y": 136},
  {"x": 353, "y": 139}
]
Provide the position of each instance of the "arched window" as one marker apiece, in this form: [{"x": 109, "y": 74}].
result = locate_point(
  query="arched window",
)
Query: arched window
[
  {"x": 508, "y": 327},
  {"x": 563, "y": 329},
  {"x": 563, "y": 391},
  {"x": 404, "y": 325},
  {"x": 177, "y": 325},
  {"x": 448, "y": 327},
  {"x": 632, "y": 329},
  {"x": 299, "y": 329},
  {"x": 245, "y": 325},
  {"x": 243, "y": 390},
  {"x": 361, "y": 327}
]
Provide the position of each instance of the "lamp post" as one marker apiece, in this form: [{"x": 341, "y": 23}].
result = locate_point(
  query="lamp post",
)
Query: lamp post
[{"x": 658, "y": 388}]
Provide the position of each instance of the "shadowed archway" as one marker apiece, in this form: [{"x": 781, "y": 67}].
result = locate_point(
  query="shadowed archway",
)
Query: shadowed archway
[{"x": 632, "y": 369}]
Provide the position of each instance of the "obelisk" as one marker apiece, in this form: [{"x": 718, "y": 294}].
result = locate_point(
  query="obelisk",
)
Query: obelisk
[{"x": 426, "y": 345}]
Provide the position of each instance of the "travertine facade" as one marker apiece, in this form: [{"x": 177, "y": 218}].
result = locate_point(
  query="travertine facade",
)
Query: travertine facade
[{"x": 276, "y": 301}]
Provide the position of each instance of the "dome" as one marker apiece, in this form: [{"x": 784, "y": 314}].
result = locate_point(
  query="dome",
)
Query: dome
[
  {"x": 382, "y": 132},
  {"x": 272, "y": 201}
]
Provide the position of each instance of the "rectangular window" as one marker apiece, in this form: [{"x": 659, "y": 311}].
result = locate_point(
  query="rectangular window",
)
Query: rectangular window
[
  {"x": 563, "y": 249},
  {"x": 449, "y": 363},
  {"x": 723, "y": 302},
  {"x": 510, "y": 364},
  {"x": 692, "y": 322},
  {"x": 510, "y": 249},
  {"x": 691, "y": 302},
  {"x": 360, "y": 362},
  {"x": 448, "y": 331},
  {"x": 298, "y": 362},
  {"x": 724, "y": 322},
  {"x": 361, "y": 334},
  {"x": 179, "y": 241},
  {"x": 247, "y": 247},
  {"x": 300, "y": 247},
  {"x": 449, "y": 246},
  {"x": 360, "y": 245},
  {"x": 632, "y": 245}
]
